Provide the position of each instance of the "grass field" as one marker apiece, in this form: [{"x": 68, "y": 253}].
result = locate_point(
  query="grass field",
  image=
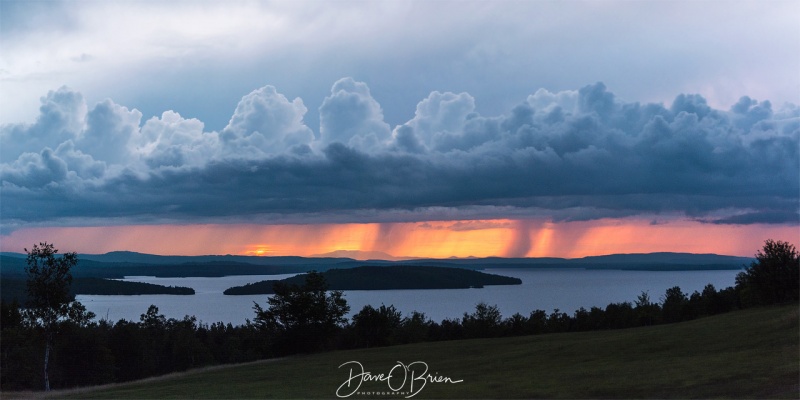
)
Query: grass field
[{"x": 745, "y": 354}]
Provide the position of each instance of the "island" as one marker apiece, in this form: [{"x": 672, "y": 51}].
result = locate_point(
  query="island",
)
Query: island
[
  {"x": 15, "y": 288},
  {"x": 100, "y": 286},
  {"x": 389, "y": 278}
]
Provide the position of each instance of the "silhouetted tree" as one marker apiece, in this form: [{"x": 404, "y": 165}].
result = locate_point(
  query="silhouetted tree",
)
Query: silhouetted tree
[
  {"x": 537, "y": 322},
  {"x": 620, "y": 315},
  {"x": 185, "y": 347},
  {"x": 414, "y": 328},
  {"x": 303, "y": 318},
  {"x": 558, "y": 321},
  {"x": 597, "y": 319},
  {"x": 674, "y": 305},
  {"x": 131, "y": 350},
  {"x": 10, "y": 315},
  {"x": 484, "y": 322},
  {"x": 49, "y": 298},
  {"x": 515, "y": 325},
  {"x": 647, "y": 312},
  {"x": 20, "y": 362},
  {"x": 376, "y": 327},
  {"x": 82, "y": 356},
  {"x": 450, "y": 329},
  {"x": 728, "y": 300},
  {"x": 774, "y": 277},
  {"x": 581, "y": 320}
]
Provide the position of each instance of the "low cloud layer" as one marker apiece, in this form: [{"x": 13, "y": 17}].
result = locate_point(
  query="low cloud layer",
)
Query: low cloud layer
[{"x": 572, "y": 155}]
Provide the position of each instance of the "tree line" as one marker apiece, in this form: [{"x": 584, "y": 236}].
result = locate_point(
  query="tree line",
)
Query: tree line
[{"x": 54, "y": 342}]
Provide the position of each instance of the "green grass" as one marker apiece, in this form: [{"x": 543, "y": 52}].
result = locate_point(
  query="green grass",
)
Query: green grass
[{"x": 745, "y": 354}]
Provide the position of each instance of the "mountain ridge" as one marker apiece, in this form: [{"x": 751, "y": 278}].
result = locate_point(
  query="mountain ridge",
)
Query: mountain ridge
[{"x": 347, "y": 257}]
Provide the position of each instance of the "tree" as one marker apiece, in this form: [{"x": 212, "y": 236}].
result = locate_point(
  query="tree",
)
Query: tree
[
  {"x": 620, "y": 315},
  {"x": 414, "y": 328},
  {"x": 674, "y": 306},
  {"x": 515, "y": 325},
  {"x": 302, "y": 318},
  {"x": 49, "y": 299},
  {"x": 377, "y": 326},
  {"x": 484, "y": 322},
  {"x": 774, "y": 277},
  {"x": 647, "y": 312}
]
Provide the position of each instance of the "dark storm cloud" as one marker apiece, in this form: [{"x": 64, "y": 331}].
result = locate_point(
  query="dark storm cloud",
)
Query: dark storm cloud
[
  {"x": 576, "y": 155},
  {"x": 763, "y": 217}
]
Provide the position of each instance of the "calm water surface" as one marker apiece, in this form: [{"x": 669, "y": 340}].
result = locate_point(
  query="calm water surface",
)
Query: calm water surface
[{"x": 564, "y": 289}]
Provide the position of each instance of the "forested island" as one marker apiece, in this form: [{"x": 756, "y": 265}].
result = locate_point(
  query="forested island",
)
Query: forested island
[
  {"x": 99, "y": 286},
  {"x": 12, "y": 288},
  {"x": 388, "y": 278}
]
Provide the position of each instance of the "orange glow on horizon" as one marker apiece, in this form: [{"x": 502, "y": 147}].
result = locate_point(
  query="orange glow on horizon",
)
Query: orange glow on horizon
[
  {"x": 259, "y": 250},
  {"x": 433, "y": 239}
]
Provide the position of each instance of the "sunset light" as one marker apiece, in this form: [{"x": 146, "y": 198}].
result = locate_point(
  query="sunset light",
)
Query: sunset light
[
  {"x": 433, "y": 239},
  {"x": 243, "y": 180}
]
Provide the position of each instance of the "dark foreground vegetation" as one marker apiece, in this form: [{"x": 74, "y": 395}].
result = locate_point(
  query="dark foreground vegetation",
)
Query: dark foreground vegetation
[
  {"x": 749, "y": 353},
  {"x": 308, "y": 318},
  {"x": 389, "y": 278}
]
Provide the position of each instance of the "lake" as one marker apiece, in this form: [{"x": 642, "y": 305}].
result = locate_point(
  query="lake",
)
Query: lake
[{"x": 545, "y": 289}]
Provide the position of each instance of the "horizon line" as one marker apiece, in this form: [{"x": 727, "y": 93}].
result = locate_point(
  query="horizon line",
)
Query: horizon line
[{"x": 395, "y": 258}]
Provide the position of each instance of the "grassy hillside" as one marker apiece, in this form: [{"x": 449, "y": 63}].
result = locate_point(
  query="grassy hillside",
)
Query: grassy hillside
[{"x": 745, "y": 354}]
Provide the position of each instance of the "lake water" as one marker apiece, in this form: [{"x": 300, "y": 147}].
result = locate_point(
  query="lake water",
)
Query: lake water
[{"x": 545, "y": 289}]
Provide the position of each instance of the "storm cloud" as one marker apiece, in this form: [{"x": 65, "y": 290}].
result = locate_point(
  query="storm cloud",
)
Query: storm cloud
[{"x": 572, "y": 155}]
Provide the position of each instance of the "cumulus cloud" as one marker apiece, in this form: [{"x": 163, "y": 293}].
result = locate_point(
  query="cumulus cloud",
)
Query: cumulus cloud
[
  {"x": 173, "y": 141},
  {"x": 109, "y": 128},
  {"x": 566, "y": 156},
  {"x": 445, "y": 122},
  {"x": 35, "y": 170},
  {"x": 62, "y": 116},
  {"x": 351, "y": 116},
  {"x": 266, "y": 122},
  {"x": 441, "y": 114}
]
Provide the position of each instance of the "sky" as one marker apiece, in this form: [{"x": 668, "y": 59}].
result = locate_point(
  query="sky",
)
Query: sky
[{"x": 420, "y": 129}]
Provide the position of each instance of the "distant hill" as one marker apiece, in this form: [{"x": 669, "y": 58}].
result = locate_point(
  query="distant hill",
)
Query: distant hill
[
  {"x": 121, "y": 264},
  {"x": 12, "y": 255},
  {"x": 361, "y": 255},
  {"x": 12, "y": 266},
  {"x": 141, "y": 258},
  {"x": 389, "y": 278},
  {"x": 664, "y": 258}
]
